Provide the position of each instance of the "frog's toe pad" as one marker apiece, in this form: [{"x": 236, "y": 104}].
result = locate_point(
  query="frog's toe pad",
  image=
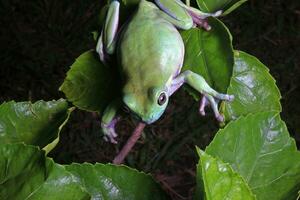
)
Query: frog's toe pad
[
  {"x": 220, "y": 118},
  {"x": 225, "y": 97},
  {"x": 218, "y": 13},
  {"x": 110, "y": 136},
  {"x": 230, "y": 97}
]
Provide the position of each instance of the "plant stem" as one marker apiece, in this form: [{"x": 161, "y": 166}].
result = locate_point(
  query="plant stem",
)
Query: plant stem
[{"x": 129, "y": 144}]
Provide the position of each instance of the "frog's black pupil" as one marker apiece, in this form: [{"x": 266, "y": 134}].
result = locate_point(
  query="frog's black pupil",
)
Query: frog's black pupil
[{"x": 162, "y": 98}]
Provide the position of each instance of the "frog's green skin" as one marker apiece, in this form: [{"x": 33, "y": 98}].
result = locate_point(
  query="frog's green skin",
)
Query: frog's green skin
[{"x": 150, "y": 52}]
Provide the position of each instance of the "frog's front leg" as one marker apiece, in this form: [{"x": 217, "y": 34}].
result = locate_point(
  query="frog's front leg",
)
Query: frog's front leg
[
  {"x": 107, "y": 41},
  {"x": 109, "y": 121},
  {"x": 198, "y": 83}
]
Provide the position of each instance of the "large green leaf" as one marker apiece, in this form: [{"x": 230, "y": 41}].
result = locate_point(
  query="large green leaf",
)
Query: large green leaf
[
  {"x": 210, "y": 54},
  {"x": 36, "y": 124},
  {"x": 217, "y": 181},
  {"x": 25, "y": 173},
  {"x": 227, "y": 6},
  {"x": 116, "y": 182},
  {"x": 89, "y": 84},
  {"x": 254, "y": 88},
  {"x": 260, "y": 149}
]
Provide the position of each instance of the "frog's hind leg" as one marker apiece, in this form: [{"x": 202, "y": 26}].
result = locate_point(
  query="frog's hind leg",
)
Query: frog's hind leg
[
  {"x": 200, "y": 18},
  {"x": 180, "y": 13},
  {"x": 198, "y": 83},
  {"x": 200, "y": 21},
  {"x": 107, "y": 41}
]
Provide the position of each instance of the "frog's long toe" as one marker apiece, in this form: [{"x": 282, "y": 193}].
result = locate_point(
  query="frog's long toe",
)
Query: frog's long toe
[
  {"x": 219, "y": 117},
  {"x": 203, "y": 104},
  {"x": 110, "y": 135}
]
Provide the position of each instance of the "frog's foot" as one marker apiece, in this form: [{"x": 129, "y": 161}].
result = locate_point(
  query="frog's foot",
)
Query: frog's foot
[
  {"x": 213, "y": 102},
  {"x": 200, "y": 19},
  {"x": 109, "y": 131}
]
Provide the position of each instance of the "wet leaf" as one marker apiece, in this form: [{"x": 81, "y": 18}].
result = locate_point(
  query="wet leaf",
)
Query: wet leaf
[
  {"x": 25, "y": 173},
  {"x": 90, "y": 85},
  {"x": 210, "y": 54},
  {"x": 36, "y": 124},
  {"x": 116, "y": 182},
  {"x": 253, "y": 87},
  {"x": 259, "y": 148},
  {"x": 217, "y": 181}
]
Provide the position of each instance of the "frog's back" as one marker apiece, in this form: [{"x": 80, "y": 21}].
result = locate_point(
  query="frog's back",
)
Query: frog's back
[{"x": 151, "y": 49}]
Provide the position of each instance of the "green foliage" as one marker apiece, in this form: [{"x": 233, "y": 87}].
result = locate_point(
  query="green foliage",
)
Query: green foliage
[
  {"x": 216, "y": 180},
  {"x": 89, "y": 84},
  {"x": 28, "y": 174},
  {"x": 210, "y": 54},
  {"x": 259, "y": 148},
  {"x": 36, "y": 124},
  {"x": 116, "y": 182},
  {"x": 253, "y": 157},
  {"x": 254, "y": 88}
]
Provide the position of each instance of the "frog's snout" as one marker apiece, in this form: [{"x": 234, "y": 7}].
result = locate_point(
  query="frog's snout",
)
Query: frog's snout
[
  {"x": 149, "y": 120},
  {"x": 146, "y": 120},
  {"x": 143, "y": 109}
]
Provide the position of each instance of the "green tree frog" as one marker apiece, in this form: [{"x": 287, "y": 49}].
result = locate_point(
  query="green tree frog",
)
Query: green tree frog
[{"x": 150, "y": 54}]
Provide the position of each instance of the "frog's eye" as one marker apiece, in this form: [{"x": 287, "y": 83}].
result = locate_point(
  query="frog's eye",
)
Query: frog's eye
[{"x": 162, "y": 99}]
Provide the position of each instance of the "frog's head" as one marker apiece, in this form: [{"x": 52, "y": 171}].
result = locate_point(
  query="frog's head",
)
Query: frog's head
[{"x": 147, "y": 105}]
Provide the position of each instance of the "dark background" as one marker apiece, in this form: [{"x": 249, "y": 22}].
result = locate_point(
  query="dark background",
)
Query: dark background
[{"x": 40, "y": 40}]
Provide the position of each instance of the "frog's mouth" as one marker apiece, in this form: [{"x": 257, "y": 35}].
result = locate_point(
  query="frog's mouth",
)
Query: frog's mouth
[
  {"x": 148, "y": 120},
  {"x": 144, "y": 120},
  {"x": 146, "y": 117}
]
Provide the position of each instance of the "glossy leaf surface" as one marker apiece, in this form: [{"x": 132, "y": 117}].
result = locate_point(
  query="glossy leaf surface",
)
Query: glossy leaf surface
[
  {"x": 217, "y": 181},
  {"x": 89, "y": 84},
  {"x": 116, "y": 182},
  {"x": 210, "y": 54},
  {"x": 25, "y": 173},
  {"x": 36, "y": 124},
  {"x": 254, "y": 88},
  {"x": 259, "y": 148},
  {"x": 226, "y": 6}
]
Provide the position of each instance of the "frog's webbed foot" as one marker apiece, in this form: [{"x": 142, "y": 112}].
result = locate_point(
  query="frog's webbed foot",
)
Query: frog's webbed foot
[
  {"x": 200, "y": 18},
  {"x": 109, "y": 131},
  {"x": 213, "y": 102}
]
